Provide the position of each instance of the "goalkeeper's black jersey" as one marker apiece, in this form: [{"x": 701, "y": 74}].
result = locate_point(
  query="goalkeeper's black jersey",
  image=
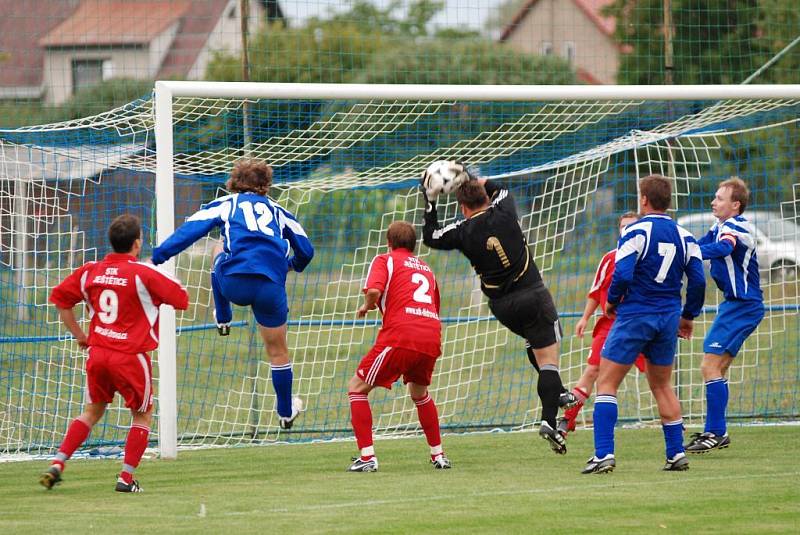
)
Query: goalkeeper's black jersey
[{"x": 492, "y": 240}]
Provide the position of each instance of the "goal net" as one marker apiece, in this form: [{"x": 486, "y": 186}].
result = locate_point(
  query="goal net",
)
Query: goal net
[{"x": 347, "y": 165}]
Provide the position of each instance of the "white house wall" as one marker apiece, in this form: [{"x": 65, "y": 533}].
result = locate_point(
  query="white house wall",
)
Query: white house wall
[
  {"x": 226, "y": 35},
  {"x": 559, "y": 22}
]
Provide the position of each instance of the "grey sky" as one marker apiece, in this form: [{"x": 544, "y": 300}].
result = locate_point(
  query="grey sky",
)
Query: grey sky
[{"x": 461, "y": 13}]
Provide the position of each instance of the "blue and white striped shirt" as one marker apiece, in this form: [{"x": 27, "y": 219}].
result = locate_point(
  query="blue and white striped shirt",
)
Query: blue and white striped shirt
[
  {"x": 652, "y": 256},
  {"x": 731, "y": 248},
  {"x": 258, "y": 236}
]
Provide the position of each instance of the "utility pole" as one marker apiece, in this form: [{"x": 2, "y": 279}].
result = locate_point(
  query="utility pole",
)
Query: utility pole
[{"x": 244, "y": 12}]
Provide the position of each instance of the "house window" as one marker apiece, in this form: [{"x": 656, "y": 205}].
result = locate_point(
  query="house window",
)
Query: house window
[
  {"x": 232, "y": 13},
  {"x": 547, "y": 48},
  {"x": 569, "y": 51},
  {"x": 86, "y": 73}
]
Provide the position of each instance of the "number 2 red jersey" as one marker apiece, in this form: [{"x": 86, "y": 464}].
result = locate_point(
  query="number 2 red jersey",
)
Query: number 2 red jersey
[
  {"x": 122, "y": 296},
  {"x": 409, "y": 302},
  {"x": 599, "y": 291}
]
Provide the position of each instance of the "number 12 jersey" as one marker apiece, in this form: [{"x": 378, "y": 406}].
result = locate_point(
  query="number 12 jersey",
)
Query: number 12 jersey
[
  {"x": 258, "y": 236},
  {"x": 409, "y": 302}
]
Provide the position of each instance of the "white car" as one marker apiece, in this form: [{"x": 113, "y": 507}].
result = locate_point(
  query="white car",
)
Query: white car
[{"x": 777, "y": 241}]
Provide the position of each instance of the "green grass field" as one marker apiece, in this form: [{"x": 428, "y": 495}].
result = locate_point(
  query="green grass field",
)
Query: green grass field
[{"x": 507, "y": 482}]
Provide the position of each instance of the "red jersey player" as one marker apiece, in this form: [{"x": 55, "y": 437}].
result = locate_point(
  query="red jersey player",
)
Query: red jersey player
[
  {"x": 598, "y": 296},
  {"x": 122, "y": 296},
  {"x": 404, "y": 288}
]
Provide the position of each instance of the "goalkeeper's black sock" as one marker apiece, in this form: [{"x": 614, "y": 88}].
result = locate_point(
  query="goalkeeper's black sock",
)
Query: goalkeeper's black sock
[{"x": 549, "y": 388}]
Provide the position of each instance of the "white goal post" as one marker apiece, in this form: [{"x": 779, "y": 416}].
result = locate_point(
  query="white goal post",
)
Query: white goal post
[{"x": 167, "y": 91}]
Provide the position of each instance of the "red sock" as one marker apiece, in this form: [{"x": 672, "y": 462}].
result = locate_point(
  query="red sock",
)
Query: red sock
[
  {"x": 77, "y": 433},
  {"x": 134, "y": 449},
  {"x": 571, "y": 414},
  {"x": 429, "y": 420},
  {"x": 361, "y": 418}
]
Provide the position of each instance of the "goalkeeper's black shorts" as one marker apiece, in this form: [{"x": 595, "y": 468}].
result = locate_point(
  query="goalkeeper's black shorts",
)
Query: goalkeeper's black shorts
[{"x": 529, "y": 312}]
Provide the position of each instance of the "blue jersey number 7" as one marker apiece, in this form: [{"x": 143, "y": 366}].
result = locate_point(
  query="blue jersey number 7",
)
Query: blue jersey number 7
[{"x": 667, "y": 250}]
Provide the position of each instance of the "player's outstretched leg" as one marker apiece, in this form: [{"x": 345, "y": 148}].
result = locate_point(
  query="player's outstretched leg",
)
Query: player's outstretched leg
[
  {"x": 223, "y": 312},
  {"x": 429, "y": 420},
  {"x": 361, "y": 419}
]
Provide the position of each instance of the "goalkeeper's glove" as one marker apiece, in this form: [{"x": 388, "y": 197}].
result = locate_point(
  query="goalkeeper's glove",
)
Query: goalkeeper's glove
[{"x": 429, "y": 196}]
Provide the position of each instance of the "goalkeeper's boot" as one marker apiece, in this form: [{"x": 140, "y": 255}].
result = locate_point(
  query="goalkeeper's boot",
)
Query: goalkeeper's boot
[
  {"x": 297, "y": 408},
  {"x": 361, "y": 465},
  {"x": 600, "y": 466},
  {"x": 122, "y": 486},
  {"x": 50, "y": 478},
  {"x": 567, "y": 400},
  {"x": 678, "y": 463},
  {"x": 557, "y": 442},
  {"x": 705, "y": 442},
  {"x": 440, "y": 462}
]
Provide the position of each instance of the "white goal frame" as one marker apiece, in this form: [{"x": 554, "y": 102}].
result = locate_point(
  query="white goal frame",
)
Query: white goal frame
[{"x": 166, "y": 91}]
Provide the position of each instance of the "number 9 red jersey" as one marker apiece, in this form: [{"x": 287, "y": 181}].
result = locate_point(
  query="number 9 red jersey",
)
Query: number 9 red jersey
[
  {"x": 409, "y": 302},
  {"x": 122, "y": 297}
]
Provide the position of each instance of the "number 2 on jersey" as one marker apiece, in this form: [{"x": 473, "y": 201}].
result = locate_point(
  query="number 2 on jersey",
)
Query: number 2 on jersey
[
  {"x": 264, "y": 217},
  {"x": 667, "y": 250},
  {"x": 421, "y": 293}
]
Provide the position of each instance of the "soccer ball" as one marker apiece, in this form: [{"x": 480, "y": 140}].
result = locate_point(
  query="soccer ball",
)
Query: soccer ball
[{"x": 443, "y": 176}]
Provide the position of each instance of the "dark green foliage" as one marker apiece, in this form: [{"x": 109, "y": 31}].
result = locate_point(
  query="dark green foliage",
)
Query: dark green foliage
[{"x": 714, "y": 42}]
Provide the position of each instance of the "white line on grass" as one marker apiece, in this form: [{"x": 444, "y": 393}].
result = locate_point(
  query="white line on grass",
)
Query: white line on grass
[{"x": 488, "y": 494}]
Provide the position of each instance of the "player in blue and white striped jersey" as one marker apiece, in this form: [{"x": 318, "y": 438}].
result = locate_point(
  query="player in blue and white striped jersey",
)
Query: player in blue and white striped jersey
[
  {"x": 652, "y": 257},
  {"x": 258, "y": 238},
  {"x": 730, "y": 246}
]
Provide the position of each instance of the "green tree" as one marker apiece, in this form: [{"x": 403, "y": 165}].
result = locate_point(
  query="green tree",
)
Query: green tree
[
  {"x": 779, "y": 26},
  {"x": 714, "y": 42}
]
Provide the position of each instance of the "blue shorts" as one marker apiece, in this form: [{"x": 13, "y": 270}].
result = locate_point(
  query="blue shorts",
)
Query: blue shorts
[
  {"x": 654, "y": 335},
  {"x": 735, "y": 321},
  {"x": 265, "y": 297}
]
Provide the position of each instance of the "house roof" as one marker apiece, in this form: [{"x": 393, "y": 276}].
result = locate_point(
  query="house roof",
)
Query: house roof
[
  {"x": 191, "y": 38},
  {"x": 104, "y": 22},
  {"x": 591, "y": 8},
  {"x": 21, "y": 27}
]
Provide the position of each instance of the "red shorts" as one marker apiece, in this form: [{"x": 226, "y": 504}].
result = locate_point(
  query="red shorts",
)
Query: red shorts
[
  {"x": 597, "y": 346},
  {"x": 129, "y": 374},
  {"x": 383, "y": 365}
]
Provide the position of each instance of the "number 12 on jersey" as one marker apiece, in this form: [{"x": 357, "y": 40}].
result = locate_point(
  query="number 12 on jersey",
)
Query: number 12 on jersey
[{"x": 264, "y": 217}]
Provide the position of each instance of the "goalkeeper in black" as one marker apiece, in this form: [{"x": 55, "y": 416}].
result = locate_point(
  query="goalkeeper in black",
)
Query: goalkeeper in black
[{"x": 491, "y": 238}]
